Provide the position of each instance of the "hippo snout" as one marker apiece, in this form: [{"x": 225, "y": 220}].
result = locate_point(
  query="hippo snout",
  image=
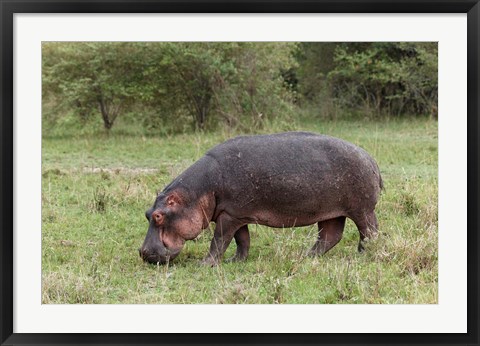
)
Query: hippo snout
[{"x": 152, "y": 255}]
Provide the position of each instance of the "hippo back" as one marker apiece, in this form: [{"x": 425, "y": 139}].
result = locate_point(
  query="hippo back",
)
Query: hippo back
[{"x": 298, "y": 172}]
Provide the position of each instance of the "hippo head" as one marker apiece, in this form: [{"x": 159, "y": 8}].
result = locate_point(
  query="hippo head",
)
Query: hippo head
[{"x": 172, "y": 221}]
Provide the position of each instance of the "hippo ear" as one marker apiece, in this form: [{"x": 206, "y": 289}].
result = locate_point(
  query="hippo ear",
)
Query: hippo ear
[{"x": 173, "y": 200}]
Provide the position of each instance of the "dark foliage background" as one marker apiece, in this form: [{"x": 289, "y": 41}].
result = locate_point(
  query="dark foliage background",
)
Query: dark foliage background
[{"x": 178, "y": 87}]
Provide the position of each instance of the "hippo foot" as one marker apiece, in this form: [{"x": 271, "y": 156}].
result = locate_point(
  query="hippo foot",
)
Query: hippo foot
[
  {"x": 315, "y": 253},
  {"x": 361, "y": 248},
  {"x": 209, "y": 261},
  {"x": 364, "y": 242},
  {"x": 237, "y": 258}
]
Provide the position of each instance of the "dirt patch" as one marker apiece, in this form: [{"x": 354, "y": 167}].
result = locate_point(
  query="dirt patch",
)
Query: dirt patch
[{"x": 120, "y": 170}]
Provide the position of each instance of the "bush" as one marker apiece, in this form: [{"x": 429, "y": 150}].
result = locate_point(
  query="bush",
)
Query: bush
[
  {"x": 395, "y": 78},
  {"x": 229, "y": 82},
  {"x": 371, "y": 78}
]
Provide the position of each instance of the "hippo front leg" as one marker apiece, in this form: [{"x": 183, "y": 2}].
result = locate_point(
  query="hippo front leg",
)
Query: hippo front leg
[
  {"x": 225, "y": 229},
  {"x": 242, "y": 239}
]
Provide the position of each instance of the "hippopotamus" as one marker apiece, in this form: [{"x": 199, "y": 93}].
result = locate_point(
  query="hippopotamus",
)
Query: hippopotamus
[{"x": 282, "y": 180}]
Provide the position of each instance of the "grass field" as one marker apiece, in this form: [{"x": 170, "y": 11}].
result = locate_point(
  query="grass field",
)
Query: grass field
[{"x": 96, "y": 188}]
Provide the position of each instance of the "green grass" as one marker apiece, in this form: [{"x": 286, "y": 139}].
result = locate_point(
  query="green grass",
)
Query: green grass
[{"x": 95, "y": 190}]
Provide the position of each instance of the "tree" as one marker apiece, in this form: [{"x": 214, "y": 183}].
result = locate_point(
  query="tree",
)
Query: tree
[
  {"x": 380, "y": 77},
  {"x": 393, "y": 77},
  {"x": 190, "y": 73},
  {"x": 89, "y": 76},
  {"x": 226, "y": 79},
  {"x": 206, "y": 80}
]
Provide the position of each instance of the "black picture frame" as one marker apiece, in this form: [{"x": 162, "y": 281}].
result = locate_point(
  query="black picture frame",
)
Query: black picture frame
[{"x": 9, "y": 7}]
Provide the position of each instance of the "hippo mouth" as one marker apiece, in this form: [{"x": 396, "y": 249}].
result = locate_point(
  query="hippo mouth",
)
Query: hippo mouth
[
  {"x": 154, "y": 250},
  {"x": 156, "y": 258}
]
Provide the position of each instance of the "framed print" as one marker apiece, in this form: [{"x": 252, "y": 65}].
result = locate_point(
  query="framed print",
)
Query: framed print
[{"x": 239, "y": 172}]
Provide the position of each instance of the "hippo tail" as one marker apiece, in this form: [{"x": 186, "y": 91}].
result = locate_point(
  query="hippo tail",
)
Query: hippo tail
[{"x": 380, "y": 180}]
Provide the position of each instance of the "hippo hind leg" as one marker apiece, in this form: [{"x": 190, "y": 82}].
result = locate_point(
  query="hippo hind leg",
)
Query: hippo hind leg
[
  {"x": 242, "y": 239},
  {"x": 367, "y": 225},
  {"x": 329, "y": 234}
]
